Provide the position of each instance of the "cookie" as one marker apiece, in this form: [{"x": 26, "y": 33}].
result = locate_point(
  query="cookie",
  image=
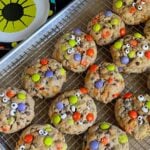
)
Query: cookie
[
  {"x": 105, "y": 136},
  {"x": 147, "y": 29},
  {"x": 76, "y": 50},
  {"x": 148, "y": 82},
  {"x": 73, "y": 112},
  {"x": 133, "y": 114},
  {"x": 106, "y": 27},
  {"x": 131, "y": 53},
  {"x": 16, "y": 110},
  {"x": 104, "y": 82},
  {"x": 41, "y": 137},
  {"x": 133, "y": 12},
  {"x": 44, "y": 78}
]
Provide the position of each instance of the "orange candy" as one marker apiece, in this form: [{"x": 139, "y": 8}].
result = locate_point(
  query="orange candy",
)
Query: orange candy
[
  {"x": 122, "y": 31},
  {"x": 104, "y": 140},
  {"x": 44, "y": 61},
  {"x": 110, "y": 80},
  {"x": 10, "y": 93},
  {"x": 88, "y": 37},
  {"x": 84, "y": 62},
  {"x": 90, "y": 52},
  {"x": 105, "y": 33},
  {"x": 93, "y": 68},
  {"x": 116, "y": 95},
  {"x": 90, "y": 117},
  {"x": 127, "y": 95},
  {"x": 6, "y": 128},
  {"x": 134, "y": 43},
  {"x": 132, "y": 10},
  {"x": 147, "y": 54},
  {"x": 133, "y": 114},
  {"x": 76, "y": 116},
  {"x": 28, "y": 138},
  {"x": 83, "y": 90}
]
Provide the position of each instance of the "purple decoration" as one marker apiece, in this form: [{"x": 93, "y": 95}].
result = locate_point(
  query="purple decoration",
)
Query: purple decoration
[
  {"x": 77, "y": 57},
  {"x": 108, "y": 13},
  {"x": 77, "y": 31},
  {"x": 60, "y": 106},
  {"x": 49, "y": 74},
  {"x": 125, "y": 60},
  {"x": 99, "y": 84},
  {"x": 94, "y": 145},
  {"x": 120, "y": 69},
  {"x": 21, "y": 107}
]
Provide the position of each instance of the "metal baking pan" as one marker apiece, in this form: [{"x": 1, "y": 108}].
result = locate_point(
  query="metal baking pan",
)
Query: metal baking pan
[{"x": 40, "y": 44}]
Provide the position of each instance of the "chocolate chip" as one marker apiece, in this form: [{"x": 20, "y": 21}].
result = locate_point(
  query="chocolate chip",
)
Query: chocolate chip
[{"x": 137, "y": 63}]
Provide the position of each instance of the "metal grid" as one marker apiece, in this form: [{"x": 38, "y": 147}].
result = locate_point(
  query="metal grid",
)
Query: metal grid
[{"x": 42, "y": 43}]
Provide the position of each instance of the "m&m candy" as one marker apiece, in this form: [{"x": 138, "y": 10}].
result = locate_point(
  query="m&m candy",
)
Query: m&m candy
[
  {"x": 56, "y": 119},
  {"x": 123, "y": 139},
  {"x": 108, "y": 13},
  {"x": 44, "y": 61},
  {"x": 73, "y": 100},
  {"x": 117, "y": 45},
  {"x": 60, "y": 106},
  {"x": 99, "y": 84},
  {"x": 133, "y": 114},
  {"x": 104, "y": 125},
  {"x": 94, "y": 145},
  {"x": 28, "y": 138},
  {"x": 21, "y": 107},
  {"x": 111, "y": 67},
  {"x": 21, "y": 96},
  {"x": 49, "y": 74},
  {"x": 90, "y": 117},
  {"x": 125, "y": 60},
  {"x": 119, "y": 4},
  {"x": 48, "y": 141},
  {"x": 36, "y": 77},
  {"x": 97, "y": 27},
  {"x": 77, "y": 57},
  {"x": 76, "y": 116}
]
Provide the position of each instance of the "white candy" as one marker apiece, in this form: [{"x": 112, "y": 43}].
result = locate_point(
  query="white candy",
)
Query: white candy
[
  {"x": 140, "y": 117},
  {"x": 73, "y": 108},
  {"x": 145, "y": 47},
  {"x": 5, "y": 99},
  {"x": 141, "y": 98},
  {"x": 133, "y": 4},
  {"x": 145, "y": 109},
  {"x": 140, "y": 53},
  {"x": 14, "y": 106},
  {"x": 45, "y": 133},
  {"x": 41, "y": 132},
  {"x": 2, "y": 94},
  {"x": 140, "y": 7},
  {"x": 22, "y": 147},
  {"x": 63, "y": 116},
  {"x": 80, "y": 123},
  {"x": 70, "y": 51},
  {"x": 127, "y": 51},
  {"x": 128, "y": 45},
  {"x": 13, "y": 112},
  {"x": 77, "y": 94},
  {"x": 72, "y": 37}
]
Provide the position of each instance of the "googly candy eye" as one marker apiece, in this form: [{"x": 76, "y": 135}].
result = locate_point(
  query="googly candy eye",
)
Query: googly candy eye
[
  {"x": 13, "y": 112},
  {"x": 140, "y": 117},
  {"x": 72, "y": 37},
  {"x": 127, "y": 45},
  {"x": 133, "y": 4},
  {"x": 73, "y": 108},
  {"x": 140, "y": 53},
  {"x": 2, "y": 94},
  {"x": 140, "y": 122},
  {"x": 127, "y": 51},
  {"x": 77, "y": 94},
  {"x": 22, "y": 147},
  {"x": 141, "y": 98},
  {"x": 63, "y": 116},
  {"x": 45, "y": 133},
  {"x": 145, "y": 109},
  {"x": 41, "y": 132},
  {"x": 14, "y": 105},
  {"x": 70, "y": 51},
  {"x": 78, "y": 39},
  {"x": 5, "y": 99},
  {"x": 145, "y": 47},
  {"x": 139, "y": 7}
]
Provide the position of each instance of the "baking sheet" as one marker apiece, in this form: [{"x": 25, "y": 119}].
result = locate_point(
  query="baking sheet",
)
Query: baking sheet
[{"x": 41, "y": 44}]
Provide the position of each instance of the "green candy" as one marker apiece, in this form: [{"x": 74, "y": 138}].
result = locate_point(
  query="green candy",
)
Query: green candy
[
  {"x": 48, "y": 128},
  {"x": 70, "y": 121},
  {"x": 72, "y": 43},
  {"x": 48, "y": 141},
  {"x": 132, "y": 54},
  {"x": 73, "y": 100},
  {"x": 118, "y": 4},
  {"x": 123, "y": 139},
  {"x": 10, "y": 120},
  {"x": 36, "y": 77},
  {"x": 97, "y": 27},
  {"x": 63, "y": 47},
  {"x": 56, "y": 119},
  {"x": 115, "y": 21},
  {"x": 117, "y": 45},
  {"x": 111, "y": 67},
  {"x": 138, "y": 35},
  {"x": 63, "y": 71},
  {"x": 148, "y": 104},
  {"x": 21, "y": 96},
  {"x": 105, "y": 126}
]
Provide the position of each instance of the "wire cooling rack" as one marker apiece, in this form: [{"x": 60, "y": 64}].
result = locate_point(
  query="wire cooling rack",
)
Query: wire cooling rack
[{"x": 77, "y": 14}]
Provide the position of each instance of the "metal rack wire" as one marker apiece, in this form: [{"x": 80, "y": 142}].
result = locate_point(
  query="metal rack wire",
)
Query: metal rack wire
[{"x": 42, "y": 43}]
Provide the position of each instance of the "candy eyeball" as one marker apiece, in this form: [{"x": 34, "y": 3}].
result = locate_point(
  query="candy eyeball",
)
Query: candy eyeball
[
  {"x": 5, "y": 99},
  {"x": 22, "y": 147},
  {"x": 127, "y": 45},
  {"x": 127, "y": 51},
  {"x": 70, "y": 51},
  {"x": 145, "y": 47},
  {"x": 140, "y": 117},
  {"x": 78, "y": 39},
  {"x": 139, "y": 7},
  {"x": 77, "y": 94},
  {"x": 133, "y": 4},
  {"x": 45, "y": 133},
  {"x": 14, "y": 105},
  {"x": 140, "y": 53},
  {"x": 41, "y": 132},
  {"x": 73, "y": 108},
  {"x": 72, "y": 37},
  {"x": 145, "y": 109},
  {"x": 141, "y": 98},
  {"x": 63, "y": 116},
  {"x": 2, "y": 94},
  {"x": 13, "y": 112}
]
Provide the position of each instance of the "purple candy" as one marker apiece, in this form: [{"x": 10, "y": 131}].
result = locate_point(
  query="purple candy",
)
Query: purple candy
[
  {"x": 120, "y": 69},
  {"x": 125, "y": 60},
  {"x": 49, "y": 74},
  {"x": 60, "y": 106},
  {"x": 108, "y": 13},
  {"x": 99, "y": 84},
  {"x": 77, "y": 31},
  {"x": 77, "y": 57},
  {"x": 94, "y": 145},
  {"x": 21, "y": 107}
]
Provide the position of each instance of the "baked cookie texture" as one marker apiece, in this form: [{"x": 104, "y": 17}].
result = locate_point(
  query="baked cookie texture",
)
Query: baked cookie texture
[
  {"x": 133, "y": 12},
  {"x": 16, "y": 110},
  {"x": 147, "y": 29},
  {"x": 105, "y": 136},
  {"x": 131, "y": 53},
  {"x": 104, "y": 82},
  {"x": 76, "y": 50},
  {"x": 133, "y": 114},
  {"x": 41, "y": 137},
  {"x": 106, "y": 27},
  {"x": 44, "y": 78},
  {"x": 73, "y": 112}
]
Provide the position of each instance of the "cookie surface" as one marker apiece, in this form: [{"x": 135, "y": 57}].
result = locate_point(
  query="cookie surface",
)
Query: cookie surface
[
  {"x": 148, "y": 82},
  {"x": 16, "y": 110},
  {"x": 132, "y": 12},
  {"x": 104, "y": 82},
  {"x": 133, "y": 114},
  {"x": 106, "y": 27},
  {"x": 105, "y": 136},
  {"x": 41, "y": 137},
  {"x": 44, "y": 78},
  {"x": 131, "y": 53},
  {"x": 147, "y": 29},
  {"x": 76, "y": 50},
  {"x": 73, "y": 112}
]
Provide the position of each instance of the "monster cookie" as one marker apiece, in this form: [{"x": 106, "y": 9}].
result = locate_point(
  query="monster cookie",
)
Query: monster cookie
[
  {"x": 132, "y": 53},
  {"x": 106, "y": 27},
  {"x": 133, "y": 114},
  {"x": 41, "y": 137},
  {"x": 104, "y": 82},
  {"x": 73, "y": 112},
  {"x": 76, "y": 50},
  {"x": 133, "y": 12},
  {"x": 147, "y": 29},
  {"x": 16, "y": 110},
  {"x": 105, "y": 136},
  {"x": 44, "y": 78}
]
